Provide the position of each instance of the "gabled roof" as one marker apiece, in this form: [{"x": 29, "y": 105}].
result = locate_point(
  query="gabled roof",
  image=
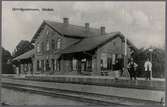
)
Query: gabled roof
[
  {"x": 26, "y": 55},
  {"x": 92, "y": 42},
  {"x": 70, "y": 30},
  {"x": 73, "y": 30},
  {"x": 88, "y": 39}
]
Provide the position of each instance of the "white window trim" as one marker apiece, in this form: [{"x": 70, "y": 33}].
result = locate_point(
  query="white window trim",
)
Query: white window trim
[
  {"x": 74, "y": 64},
  {"x": 58, "y": 43},
  {"x": 47, "y": 46},
  {"x": 47, "y": 32},
  {"x": 38, "y": 48}
]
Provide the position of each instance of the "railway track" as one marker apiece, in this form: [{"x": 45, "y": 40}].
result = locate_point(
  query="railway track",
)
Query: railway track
[
  {"x": 93, "y": 99},
  {"x": 63, "y": 94},
  {"x": 54, "y": 90}
]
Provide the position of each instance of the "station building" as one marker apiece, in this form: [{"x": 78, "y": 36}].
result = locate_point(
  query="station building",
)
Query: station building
[{"x": 64, "y": 48}]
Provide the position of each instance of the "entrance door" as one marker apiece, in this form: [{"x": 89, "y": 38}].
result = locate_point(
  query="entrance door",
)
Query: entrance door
[{"x": 83, "y": 66}]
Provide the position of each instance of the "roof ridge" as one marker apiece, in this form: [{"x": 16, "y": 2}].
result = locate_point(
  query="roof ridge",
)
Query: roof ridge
[
  {"x": 118, "y": 32},
  {"x": 71, "y": 24}
]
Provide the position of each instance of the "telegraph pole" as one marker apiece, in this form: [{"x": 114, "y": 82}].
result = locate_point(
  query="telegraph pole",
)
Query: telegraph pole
[
  {"x": 125, "y": 58},
  {"x": 125, "y": 51},
  {"x": 151, "y": 50}
]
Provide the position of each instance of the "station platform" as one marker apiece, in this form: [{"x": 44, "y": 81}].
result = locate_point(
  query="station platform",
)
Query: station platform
[
  {"x": 122, "y": 82},
  {"x": 119, "y": 93}
]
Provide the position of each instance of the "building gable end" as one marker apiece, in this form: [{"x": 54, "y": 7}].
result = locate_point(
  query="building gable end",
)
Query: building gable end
[{"x": 40, "y": 29}]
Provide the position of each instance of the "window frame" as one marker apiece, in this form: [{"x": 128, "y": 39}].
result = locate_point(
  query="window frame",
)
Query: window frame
[
  {"x": 38, "y": 66},
  {"x": 107, "y": 61},
  {"x": 53, "y": 44},
  {"x": 38, "y": 48},
  {"x": 47, "y": 31},
  {"x": 74, "y": 64},
  {"x": 58, "y": 43},
  {"x": 53, "y": 64},
  {"x": 47, "y": 64},
  {"x": 47, "y": 45}
]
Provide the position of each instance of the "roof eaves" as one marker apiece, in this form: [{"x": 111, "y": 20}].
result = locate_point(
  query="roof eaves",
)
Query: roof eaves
[
  {"x": 92, "y": 48},
  {"x": 28, "y": 53},
  {"x": 128, "y": 42}
]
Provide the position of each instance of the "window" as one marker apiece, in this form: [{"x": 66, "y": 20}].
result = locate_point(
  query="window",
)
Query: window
[
  {"x": 42, "y": 46},
  {"x": 47, "y": 46},
  {"x": 101, "y": 64},
  {"x": 74, "y": 64},
  {"x": 58, "y": 65},
  {"x": 38, "y": 48},
  {"x": 113, "y": 59},
  {"x": 53, "y": 64},
  {"x": 58, "y": 43},
  {"x": 25, "y": 68},
  {"x": 38, "y": 66},
  {"x": 104, "y": 60},
  {"x": 89, "y": 65},
  {"x": 83, "y": 64},
  {"x": 53, "y": 44},
  {"x": 42, "y": 65},
  {"x": 107, "y": 61},
  {"x": 47, "y": 32},
  {"x": 47, "y": 65}
]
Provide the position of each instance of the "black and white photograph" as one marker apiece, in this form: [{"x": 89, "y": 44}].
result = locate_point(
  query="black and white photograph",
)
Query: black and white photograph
[{"x": 103, "y": 53}]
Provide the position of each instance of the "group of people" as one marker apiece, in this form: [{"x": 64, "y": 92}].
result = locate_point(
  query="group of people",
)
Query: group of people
[{"x": 132, "y": 66}]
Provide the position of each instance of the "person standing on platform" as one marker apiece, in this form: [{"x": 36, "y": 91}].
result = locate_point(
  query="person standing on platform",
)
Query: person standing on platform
[
  {"x": 132, "y": 69},
  {"x": 148, "y": 69},
  {"x": 121, "y": 64},
  {"x": 117, "y": 69}
]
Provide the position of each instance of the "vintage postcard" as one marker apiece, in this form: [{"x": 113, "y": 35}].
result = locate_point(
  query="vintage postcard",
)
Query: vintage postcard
[{"x": 83, "y": 53}]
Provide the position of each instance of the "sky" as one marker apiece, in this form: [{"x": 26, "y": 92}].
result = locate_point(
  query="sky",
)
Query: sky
[{"x": 141, "y": 22}]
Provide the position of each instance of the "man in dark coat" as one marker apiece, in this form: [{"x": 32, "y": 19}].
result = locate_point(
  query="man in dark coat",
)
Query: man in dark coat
[{"x": 132, "y": 69}]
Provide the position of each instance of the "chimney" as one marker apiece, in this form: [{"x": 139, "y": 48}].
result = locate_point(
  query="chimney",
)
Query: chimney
[
  {"x": 102, "y": 30},
  {"x": 65, "y": 20},
  {"x": 87, "y": 26}
]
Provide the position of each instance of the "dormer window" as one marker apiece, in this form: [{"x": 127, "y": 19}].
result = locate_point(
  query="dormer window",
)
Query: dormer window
[
  {"x": 58, "y": 43},
  {"x": 47, "y": 46}
]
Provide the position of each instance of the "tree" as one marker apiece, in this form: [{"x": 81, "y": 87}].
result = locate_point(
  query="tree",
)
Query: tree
[
  {"x": 22, "y": 47},
  {"x": 6, "y": 65},
  {"x": 158, "y": 61},
  {"x": 158, "y": 57}
]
